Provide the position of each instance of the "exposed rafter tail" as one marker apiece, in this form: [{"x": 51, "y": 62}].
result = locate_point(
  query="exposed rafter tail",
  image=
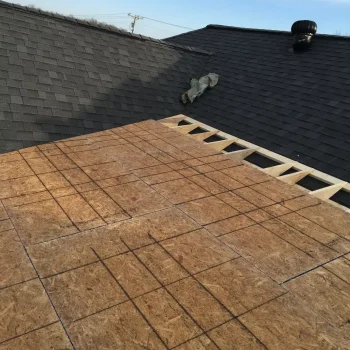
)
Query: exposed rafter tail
[
  {"x": 293, "y": 178},
  {"x": 328, "y": 192},
  {"x": 277, "y": 170}
]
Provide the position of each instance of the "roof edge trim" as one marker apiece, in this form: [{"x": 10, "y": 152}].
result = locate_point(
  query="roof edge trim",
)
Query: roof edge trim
[{"x": 107, "y": 28}]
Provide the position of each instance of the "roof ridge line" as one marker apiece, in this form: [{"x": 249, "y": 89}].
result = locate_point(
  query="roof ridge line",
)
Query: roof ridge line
[
  {"x": 272, "y": 31},
  {"x": 105, "y": 28}
]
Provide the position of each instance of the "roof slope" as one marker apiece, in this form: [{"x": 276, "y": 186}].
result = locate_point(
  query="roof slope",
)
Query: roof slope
[
  {"x": 141, "y": 237},
  {"x": 62, "y": 77},
  {"x": 297, "y": 105}
]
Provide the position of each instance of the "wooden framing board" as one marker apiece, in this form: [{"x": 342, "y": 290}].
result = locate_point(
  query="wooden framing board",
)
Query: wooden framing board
[{"x": 303, "y": 170}]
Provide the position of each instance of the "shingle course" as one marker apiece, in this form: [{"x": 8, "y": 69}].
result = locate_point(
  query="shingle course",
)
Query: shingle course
[
  {"x": 294, "y": 104},
  {"x": 60, "y": 69}
]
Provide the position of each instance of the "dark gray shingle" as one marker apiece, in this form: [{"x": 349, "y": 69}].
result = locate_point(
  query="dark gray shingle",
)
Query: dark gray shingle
[
  {"x": 294, "y": 104},
  {"x": 59, "y": 78}
]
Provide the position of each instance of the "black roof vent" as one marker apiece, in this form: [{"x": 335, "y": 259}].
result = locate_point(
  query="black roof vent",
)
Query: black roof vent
[{"x": 303, "y": 32}]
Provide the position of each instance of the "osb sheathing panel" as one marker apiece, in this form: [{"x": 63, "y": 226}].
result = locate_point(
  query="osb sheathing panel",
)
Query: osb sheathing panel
[{"x": 141, "y": 237}]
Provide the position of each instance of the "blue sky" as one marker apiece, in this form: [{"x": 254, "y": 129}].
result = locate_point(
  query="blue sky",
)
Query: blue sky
[{"x": 332, "y": 16}]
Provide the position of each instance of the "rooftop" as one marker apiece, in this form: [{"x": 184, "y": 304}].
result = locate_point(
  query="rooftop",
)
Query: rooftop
[
  {"x": 294, "y": 104},
  {"x": 123, "y": 230},
  {"x": 140, "y": 237},
  {"x": 62, "y": 77}
]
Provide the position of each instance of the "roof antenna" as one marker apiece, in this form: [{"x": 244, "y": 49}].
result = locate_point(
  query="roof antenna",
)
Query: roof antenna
[{"x": 303, "y": 32}]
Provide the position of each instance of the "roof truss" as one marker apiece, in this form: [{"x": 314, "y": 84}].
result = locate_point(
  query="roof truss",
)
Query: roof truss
[{"x": 277, "y": 171}]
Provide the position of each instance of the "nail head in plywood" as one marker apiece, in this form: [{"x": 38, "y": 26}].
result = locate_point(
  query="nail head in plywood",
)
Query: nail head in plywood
[
  {"x": 293, "y": 178},
  {"x": 241, "y": 154},
  {"x": 185, "y": 129},
  {"x": 277, "y": 170},
  {"x": 220, "y": 145},
  {"x": 203, "y": 135},
  {"x": 327, "y": 192}
]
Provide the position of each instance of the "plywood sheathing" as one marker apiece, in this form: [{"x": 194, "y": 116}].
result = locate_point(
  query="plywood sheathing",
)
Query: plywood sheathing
[{"x": 137, "y": 238}]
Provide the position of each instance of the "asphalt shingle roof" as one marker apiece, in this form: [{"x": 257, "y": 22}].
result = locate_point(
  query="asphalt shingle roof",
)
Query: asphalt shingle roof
[
  {"x": 297, "y": 105},
  {"x": 60, "y": 77}
]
